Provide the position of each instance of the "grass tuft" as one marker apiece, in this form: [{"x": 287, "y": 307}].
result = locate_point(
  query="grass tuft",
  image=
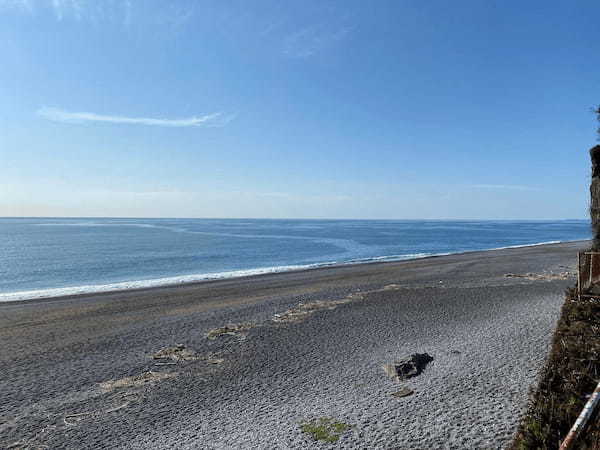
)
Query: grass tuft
[{"x": 325, "y": 429}]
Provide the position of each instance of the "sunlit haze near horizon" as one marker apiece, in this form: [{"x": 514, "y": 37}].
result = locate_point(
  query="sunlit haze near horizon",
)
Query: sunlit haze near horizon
[{"x": 363, "y": 110}]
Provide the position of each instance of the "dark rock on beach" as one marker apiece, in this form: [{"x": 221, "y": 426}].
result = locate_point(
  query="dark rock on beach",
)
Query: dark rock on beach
[{"x": 408, "y": 367}]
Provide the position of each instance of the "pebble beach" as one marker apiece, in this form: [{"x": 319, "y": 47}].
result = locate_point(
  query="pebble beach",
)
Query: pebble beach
[{"x": 249, "y": 362}]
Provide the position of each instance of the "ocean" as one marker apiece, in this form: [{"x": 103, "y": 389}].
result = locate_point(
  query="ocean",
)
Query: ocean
[{"x": 51, "y": 257}]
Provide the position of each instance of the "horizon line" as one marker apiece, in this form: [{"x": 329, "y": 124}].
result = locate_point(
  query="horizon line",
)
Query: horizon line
[{"x": 294, "y": 218}]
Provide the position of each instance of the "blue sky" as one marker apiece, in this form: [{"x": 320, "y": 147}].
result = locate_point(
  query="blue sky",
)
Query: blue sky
[{"x": 401, "y": 109}]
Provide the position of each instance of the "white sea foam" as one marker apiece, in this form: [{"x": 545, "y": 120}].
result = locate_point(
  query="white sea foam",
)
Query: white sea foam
[
  {"x": 140, "y": 284},
  {"x": 532, "y": 245}
]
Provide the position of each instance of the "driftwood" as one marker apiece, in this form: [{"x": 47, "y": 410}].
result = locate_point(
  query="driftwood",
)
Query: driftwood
[{"x": 89, "y": 413}]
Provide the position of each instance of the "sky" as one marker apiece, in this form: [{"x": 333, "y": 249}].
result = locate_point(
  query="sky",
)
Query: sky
[{"x": 407, "y": 109}]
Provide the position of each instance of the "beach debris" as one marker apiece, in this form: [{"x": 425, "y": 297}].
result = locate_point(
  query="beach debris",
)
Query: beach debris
[
  {"x": 215, "y": 360},
  {"x": 177, "y": 353},
  {"x": 408, "y": 367},
  {"x": 232, "y": 329},
  {"x": 34, "y": 441},
  {"x": 72, "y": 419},
  {"x": 403, "y": 392},
  {"x": 136, "y": 381},
  {"x": 303, "y": 310},
  {"x": 541, "y": 276},
  {"x": 325, "y": 429},
  {"x": 391, "y": 287},
  {"x": 117, "y": 408},
  {"x": 73, "y": 416}
]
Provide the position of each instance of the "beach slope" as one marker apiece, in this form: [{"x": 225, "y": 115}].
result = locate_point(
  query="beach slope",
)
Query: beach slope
[{"x": 242, "y": 363}]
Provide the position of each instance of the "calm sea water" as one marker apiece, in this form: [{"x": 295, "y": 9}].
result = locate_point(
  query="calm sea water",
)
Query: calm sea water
[{"x": 48, "y": 257}]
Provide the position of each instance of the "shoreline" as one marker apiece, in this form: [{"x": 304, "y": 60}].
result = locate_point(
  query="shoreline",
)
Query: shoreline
[{"x": 195, "y": 279}]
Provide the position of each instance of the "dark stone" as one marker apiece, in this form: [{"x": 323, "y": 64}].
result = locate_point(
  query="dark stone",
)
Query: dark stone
[
  {"x": 595, "y": 157},
  {"x": 409, "y": 367},
  {"x": 404, "y": 392},
  {"x": 595, "y": 195}
]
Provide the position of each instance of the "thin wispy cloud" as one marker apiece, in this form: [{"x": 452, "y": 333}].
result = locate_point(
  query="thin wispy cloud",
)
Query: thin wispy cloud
[
  {"x": 124, "y": 12},
  {"x": 271, "y": 27},
  {"x": 19, "y": 5},
  {"x": 306, "y": 197},
  {"x": 311, "y": 40},
  {"x": 127, "y": 15},
  {"x": 176, "y": 15},
  {"x": 509, "y": 187},
  {"x": 62, "y": 7},
  {"x": 59, "y": 115},
  {"x": 69, "y": 9}
]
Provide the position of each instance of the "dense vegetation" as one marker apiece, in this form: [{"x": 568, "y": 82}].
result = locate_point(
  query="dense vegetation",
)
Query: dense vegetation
[{"x": 569, "y": 377}]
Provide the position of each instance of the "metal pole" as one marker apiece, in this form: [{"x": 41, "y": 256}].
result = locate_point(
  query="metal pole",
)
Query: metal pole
[{"x": 581, "y": 421}]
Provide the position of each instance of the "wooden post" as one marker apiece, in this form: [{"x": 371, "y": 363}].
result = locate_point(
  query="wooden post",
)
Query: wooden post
[{"x": 579, "y": 276}]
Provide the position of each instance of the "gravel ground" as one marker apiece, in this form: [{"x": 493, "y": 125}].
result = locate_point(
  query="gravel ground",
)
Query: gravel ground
[{"x": 488, "y": 335}]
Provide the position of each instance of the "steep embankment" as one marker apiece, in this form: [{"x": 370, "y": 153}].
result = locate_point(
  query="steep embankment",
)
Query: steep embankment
[{"x": 570, "y": 375}]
